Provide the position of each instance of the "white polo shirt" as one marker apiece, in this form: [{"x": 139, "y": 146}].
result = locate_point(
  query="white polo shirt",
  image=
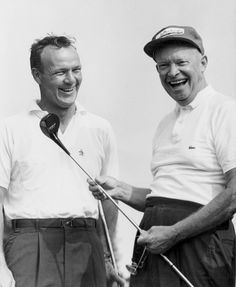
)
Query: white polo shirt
[
  {"x": 193, "y": 147},
  {"x": 42, "y": 181}
]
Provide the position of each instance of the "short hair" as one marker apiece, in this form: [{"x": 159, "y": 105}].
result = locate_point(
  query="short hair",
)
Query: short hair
[{"x": 51, "y": 40}]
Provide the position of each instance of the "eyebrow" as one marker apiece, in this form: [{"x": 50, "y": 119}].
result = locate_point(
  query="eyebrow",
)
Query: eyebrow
[{"x": 65, "y": 68}]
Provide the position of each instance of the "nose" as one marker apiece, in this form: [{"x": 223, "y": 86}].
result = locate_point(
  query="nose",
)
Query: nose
[
  {"x": 173, "y": 70},
  {"x": 70, "y": 78}
]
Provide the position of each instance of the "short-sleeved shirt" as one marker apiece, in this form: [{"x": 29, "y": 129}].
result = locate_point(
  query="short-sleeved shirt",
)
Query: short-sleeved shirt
[
  {"x": 194, "y": 146},
  {"x": 41, "y": 180}
]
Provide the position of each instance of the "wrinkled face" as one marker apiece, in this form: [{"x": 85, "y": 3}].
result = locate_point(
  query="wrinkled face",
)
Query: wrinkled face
[
  {"x": 60, "y": 77},
  {"x": 181, "y": 70}
]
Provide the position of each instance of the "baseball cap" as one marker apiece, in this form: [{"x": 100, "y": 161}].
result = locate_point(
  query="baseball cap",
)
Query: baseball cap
[{"x": 185, "y": 34}]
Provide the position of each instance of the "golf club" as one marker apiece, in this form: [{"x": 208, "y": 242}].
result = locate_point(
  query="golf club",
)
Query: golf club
[{"x": 49, "y": 125}]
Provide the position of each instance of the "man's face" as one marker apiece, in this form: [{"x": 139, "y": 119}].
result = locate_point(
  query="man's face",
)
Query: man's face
[
  {"x": 181, "y": 70},
  {"x": 60, "y": 77}
]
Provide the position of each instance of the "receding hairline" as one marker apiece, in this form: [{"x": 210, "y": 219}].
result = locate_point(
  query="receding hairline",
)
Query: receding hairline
[
  {"x": 47, "y": 54},
  {"x": 51, "y": 40}
]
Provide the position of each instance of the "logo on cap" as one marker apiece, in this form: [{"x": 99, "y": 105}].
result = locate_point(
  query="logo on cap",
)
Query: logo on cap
[{"x": 170, "y": 32}]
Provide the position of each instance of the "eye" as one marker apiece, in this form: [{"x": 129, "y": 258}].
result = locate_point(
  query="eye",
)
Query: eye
[
  {"x": 77, "y": 70},
  {"x": 162, "y": 66},
  {"x": 59, "y": 73},
  {"x": 182, "y": 63}
]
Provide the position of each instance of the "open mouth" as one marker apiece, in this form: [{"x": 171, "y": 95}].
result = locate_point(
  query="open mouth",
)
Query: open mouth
[
  {"x": 178, "y": 83},
  {"x": 66, "y": 90}
]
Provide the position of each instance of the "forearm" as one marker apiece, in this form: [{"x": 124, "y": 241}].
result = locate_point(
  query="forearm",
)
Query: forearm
[
  {"x": 135, "y": 197},
  {"x": 220, "y": 209}
]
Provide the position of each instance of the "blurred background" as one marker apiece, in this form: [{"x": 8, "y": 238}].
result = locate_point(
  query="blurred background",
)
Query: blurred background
[{"x": 120, "y": 82}]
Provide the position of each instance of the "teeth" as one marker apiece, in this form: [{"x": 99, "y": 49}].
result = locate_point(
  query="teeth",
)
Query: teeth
[
  {"x": 177, "y": 82},
  {"x": 67, "y": 90}
]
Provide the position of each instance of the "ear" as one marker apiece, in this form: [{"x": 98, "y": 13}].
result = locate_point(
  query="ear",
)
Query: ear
[
  {"x": 204, "y": 62},
  {"x": 36, "y": 74}
]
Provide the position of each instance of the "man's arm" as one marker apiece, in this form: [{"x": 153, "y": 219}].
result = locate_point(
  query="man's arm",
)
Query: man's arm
[
  {"x": 133, "y": 196},
  {"x": 159, "y": 239},
  {"x": 6, "y": 278}
]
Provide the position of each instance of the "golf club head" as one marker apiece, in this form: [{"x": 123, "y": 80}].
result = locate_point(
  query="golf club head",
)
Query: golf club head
[{"x": 49, "y": 126}]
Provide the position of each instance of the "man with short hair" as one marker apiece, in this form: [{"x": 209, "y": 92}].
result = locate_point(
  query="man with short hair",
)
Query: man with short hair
[
  {"x": 54, "y": 239},
  {"x": 191, "y": 201}
]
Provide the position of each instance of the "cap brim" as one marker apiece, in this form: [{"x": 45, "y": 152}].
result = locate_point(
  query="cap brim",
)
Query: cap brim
[{"x": 151, "y": 47}]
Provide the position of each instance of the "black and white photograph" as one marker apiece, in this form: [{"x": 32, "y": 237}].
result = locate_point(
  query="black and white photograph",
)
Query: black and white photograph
[{"x": 117, "y": 143}]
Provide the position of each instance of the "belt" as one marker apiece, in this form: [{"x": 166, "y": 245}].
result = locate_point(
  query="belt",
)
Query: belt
[
  {"x": 187, "y": 205},
  {"x": 164, "y": 201},
  {"x": 54, "y": 223}
]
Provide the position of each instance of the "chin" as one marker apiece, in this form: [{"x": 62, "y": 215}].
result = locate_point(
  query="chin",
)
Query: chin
[
  {"x": 67, "y": 102},
  {"x": 65, "y": 105}
]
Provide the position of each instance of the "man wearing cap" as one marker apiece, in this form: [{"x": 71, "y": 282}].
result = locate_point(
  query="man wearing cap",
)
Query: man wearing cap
[{"x": 190, "y": 203}]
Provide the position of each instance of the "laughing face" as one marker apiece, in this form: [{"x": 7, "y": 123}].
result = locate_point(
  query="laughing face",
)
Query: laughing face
[
  {"x": 60, "y": 77},
  {"x": 181, "y": 70}
]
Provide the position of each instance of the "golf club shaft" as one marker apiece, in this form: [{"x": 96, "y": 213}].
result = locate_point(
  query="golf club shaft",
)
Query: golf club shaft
[
  {"x": 60, "y": 144},
  {"x": 107, "y": 235},
  {"x": 177, "y": 270}
]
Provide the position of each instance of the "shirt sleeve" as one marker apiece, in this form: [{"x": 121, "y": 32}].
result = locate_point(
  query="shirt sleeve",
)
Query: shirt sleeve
[
  {"x": 225, "y": 135},
  {"x": 5, "y": 157}
]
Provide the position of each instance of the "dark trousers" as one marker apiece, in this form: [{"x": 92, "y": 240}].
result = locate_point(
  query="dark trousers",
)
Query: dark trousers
[
  {"x": 55, "y": 253},
  {"x": 207, "y": 260}
]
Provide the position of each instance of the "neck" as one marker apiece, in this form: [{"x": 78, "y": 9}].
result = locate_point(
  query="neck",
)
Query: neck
[
  {"x": 64, "y": 115},
  {"x": 203, "y": 85}
]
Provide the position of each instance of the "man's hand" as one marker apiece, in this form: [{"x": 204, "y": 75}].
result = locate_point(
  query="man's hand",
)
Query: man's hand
[
  {"x": 158, "y": 239},
  {"x": 110, "y": 184},
  {"x": 6, "y": 277},
  {"x": 113, "y": 279}
]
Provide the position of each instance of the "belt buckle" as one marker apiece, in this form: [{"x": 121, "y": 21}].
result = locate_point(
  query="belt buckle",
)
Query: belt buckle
[{"x": 67, "y": 223}]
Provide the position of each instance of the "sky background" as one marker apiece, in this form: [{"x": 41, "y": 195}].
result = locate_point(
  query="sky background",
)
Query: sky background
[{"x": 120, "y": 82}]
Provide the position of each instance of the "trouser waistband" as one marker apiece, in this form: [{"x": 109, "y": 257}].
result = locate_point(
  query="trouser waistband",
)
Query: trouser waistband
[
  {"x": 188, "y": 206},
  {"x": 162, "y": 201},
  {"x": 54, "y": 223}
]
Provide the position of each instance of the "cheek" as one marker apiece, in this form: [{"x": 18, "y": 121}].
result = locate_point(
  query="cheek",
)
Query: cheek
[
  {"x": 162, "y": 78},
  {"x": 196, "y": 77},
  {"x": 79, "y": 79},
  {"x": 51, "y": 91}
]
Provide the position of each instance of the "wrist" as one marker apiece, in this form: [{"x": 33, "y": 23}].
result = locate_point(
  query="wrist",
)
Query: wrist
[
  {"x": 124, "y": 191},
  {"x": 178, "y": 233}
]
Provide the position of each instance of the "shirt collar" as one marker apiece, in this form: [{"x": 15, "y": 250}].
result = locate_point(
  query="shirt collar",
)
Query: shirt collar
[{"x": 200, "y": 98}]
